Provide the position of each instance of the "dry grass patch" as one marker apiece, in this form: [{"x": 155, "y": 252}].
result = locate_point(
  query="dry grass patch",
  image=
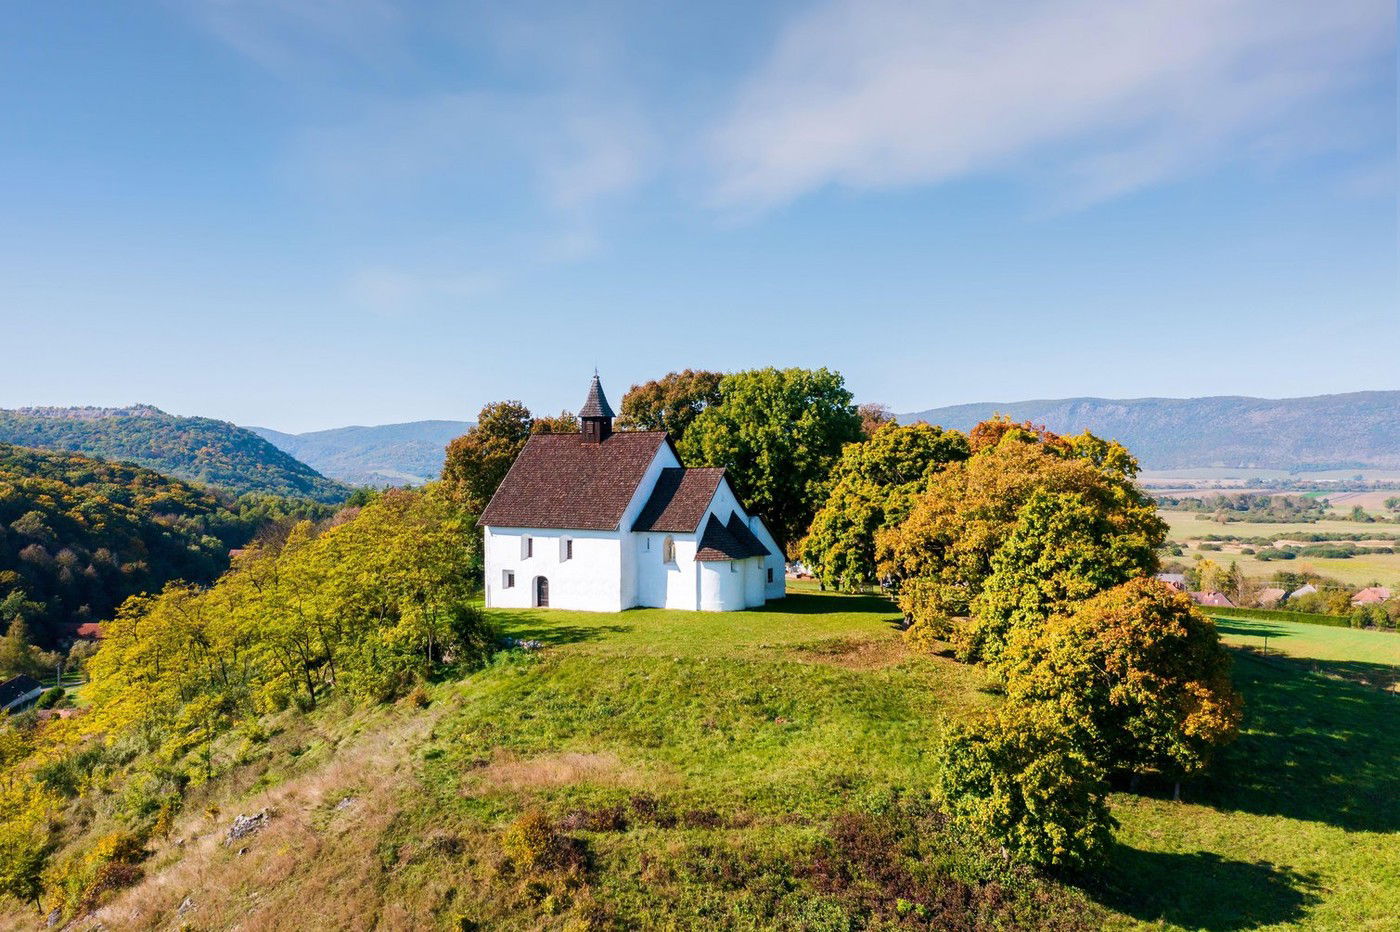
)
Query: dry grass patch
[
  {"x": 508, "y": 771},
  {"x": 855, "y": 653}
]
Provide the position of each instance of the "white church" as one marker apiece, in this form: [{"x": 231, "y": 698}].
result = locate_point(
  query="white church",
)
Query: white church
[{"x": 603, "y": 521}]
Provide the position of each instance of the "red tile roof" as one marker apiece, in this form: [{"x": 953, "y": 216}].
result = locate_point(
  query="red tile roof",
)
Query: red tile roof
[
  {"x": 679, "y": 499},
  {"x": 558, "y": 481}
]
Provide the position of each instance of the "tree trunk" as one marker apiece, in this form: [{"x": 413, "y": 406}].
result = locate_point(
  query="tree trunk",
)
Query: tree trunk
[{"x": 1176, "y": 792}]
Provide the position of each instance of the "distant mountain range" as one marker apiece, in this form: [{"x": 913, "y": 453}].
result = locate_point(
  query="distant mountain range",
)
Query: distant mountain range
[
  {"x": 199, "y": 449},
  {"x": 1354, "y": 430},
  {"x": 390, "y": 454}
]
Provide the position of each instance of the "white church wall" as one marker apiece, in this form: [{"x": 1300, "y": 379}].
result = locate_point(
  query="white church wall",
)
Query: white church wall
[
  {"x": 775, "y": 585},
  {"x": 721, "y": 585},
  {"x": 754, "y": 594},
  {"x": 590, "y": 581},
  {"x": 640, "y": 579}
]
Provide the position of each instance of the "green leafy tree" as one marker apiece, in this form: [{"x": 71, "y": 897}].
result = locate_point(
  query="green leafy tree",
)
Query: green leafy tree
[
  {"x": 941, "y": 555},
  {"x": 565, "y": 422},
  {"x": 1137, "y": 676},
  {"x": 1016, "y": 779},
  {"x": 478, "y": 460},
  {"x": 873, "y": 487},
  {"x": 1062, "y": 548},
  {"x": 778, "y": 432},
  {"x": 670, "y": 403}
]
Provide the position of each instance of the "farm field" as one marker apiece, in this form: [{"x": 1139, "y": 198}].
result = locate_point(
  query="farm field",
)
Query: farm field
[
  {"x": 1368, "y": 656},
  {"x": 1359, "y": 570},
  {"x": 1186, "y": 525},
  {"x": 703, "y": 763}
]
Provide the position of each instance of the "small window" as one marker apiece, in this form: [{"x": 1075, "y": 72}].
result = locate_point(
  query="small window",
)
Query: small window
[
  {"x": 507, "y": 579},
  {"x": 770, "y": 574},
  {"x": 668, "y": 550},
  {"x": 527, "y": 548},
  {"x": 733, "y": 566},
  {"x": 648, "y": 543},
  {"x": 566, "y": 549}
]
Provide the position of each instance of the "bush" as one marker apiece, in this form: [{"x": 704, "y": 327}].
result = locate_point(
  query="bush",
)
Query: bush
[
  {"x": 1016, "y": 779},
  {"x": 51, "y": 697},
  {"x": 533, "y": 843}
]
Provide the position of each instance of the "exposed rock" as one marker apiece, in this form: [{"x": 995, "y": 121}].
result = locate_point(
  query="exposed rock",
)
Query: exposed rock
[
  {"x": 245, "y": 825},
  {"x": 185, "y": 906},
  {"x": 345, "y": 803}
]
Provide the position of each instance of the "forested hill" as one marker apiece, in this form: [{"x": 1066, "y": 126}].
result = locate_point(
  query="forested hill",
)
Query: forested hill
[
  {"x": 79, "y": 535},
  {"x": 195, "y": 448},
  {"x": 388, "y": 454},
  {"x": 1359, "y": 429}
]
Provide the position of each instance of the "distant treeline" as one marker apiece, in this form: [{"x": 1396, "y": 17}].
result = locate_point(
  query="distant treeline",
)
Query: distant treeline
[
  {"x": 1249, "y": 506},
  {"x": 79, "y": 535}
]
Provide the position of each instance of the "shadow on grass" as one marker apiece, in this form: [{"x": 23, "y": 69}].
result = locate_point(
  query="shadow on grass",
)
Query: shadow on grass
[
  {"x": 827, "y": 603},
  {"x": 538, "y": 626},
  {"x": 1250, "y": 629},
  {"x": 1203, "y": 890},
  {"x": 1311, "y": 747}
]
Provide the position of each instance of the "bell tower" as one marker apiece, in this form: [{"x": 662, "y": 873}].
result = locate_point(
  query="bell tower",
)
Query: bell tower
[{"x": 596, "y": 414}]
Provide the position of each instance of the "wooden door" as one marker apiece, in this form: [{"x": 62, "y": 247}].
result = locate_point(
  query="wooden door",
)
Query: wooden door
[{"x": 541, "y": 592}]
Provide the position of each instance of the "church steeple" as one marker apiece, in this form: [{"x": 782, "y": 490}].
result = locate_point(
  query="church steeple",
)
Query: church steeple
[{"x": 596, "y": 414}]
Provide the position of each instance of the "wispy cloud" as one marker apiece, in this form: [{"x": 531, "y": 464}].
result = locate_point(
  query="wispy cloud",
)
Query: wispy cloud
[
  {"x": 288, "y": 36},
  {"x": 1091, "y": 98}
]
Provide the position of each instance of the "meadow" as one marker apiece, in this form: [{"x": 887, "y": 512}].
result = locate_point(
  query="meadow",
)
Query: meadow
[
  {"x": 764, "y": 769},
  {"x": 1186, "y": 528}
]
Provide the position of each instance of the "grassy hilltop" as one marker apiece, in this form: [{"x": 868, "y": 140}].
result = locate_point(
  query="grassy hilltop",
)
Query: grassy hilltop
[{"x": 766, "y": 769}]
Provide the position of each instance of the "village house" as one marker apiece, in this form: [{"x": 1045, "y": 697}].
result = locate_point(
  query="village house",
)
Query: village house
[
  {"x": 19, "y": 692},
  {"x": 1270, "y": 597},
  {"x": 1371, "y": 595},
  {"x": 1212, "y": 598},
  {"x": 1176, "y": 581},
  {"x": 604, "y": 521}
]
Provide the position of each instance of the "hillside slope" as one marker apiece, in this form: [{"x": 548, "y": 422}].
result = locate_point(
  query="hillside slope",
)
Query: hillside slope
[
  {"x": 77, "y": 536},
  {"x": 766, "y": 769},
  {"x": 386, "y": 454},
  {"x": 198, "y": 449},
  {"x": 1359, "y": 429}
]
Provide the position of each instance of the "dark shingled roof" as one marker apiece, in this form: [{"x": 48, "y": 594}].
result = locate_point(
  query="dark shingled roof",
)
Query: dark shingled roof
[
  {"x": 13, "y": 688},
  {"x": 679, "y": 500},
  {"x": 558, "y": 481},
  {"x": 596, "y": 404},
  {"x": 732, "y": 542}
]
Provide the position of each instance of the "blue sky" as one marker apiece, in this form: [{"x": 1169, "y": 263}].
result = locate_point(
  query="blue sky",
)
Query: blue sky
[{"x": 316, "y": 213}]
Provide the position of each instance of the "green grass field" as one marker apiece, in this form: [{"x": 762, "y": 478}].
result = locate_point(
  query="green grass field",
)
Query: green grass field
[{"x": 768, "y": 770}]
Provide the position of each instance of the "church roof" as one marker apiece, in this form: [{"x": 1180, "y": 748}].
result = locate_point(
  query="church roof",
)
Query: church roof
[
  {"x": 559, "y": 481},
  {"x": 596, "y": 404},
  {"x": 733, "y": 541},
  {"x": 679, "y": 499}
]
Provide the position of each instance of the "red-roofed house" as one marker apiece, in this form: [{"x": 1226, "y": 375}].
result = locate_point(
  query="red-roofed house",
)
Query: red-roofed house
[
  {"x": 1371, "y": 595},
  {"x": 1212, "y": 598},
  {"x": 604, "y": 521}
]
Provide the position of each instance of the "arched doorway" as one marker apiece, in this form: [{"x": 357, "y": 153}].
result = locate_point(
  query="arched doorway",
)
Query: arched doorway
[{"x": 541, "y": 592}]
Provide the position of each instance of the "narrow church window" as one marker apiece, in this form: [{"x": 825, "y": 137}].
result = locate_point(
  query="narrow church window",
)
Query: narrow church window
[
  {"x": 668, "y": 550},
  {"x": 566, "y": 549},
  {"x": 733, "y": 566},
  {"x": 527, "y": 548},
  {"x": 507, "y": 579},
  {"x": 770, "y": 574}
]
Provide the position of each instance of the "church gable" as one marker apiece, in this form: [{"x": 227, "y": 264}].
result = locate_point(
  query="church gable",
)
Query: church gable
[{"x": 679, "y": 499}]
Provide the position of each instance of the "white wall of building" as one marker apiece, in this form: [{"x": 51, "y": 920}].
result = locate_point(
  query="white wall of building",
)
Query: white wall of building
[{"x": 618, "y": 569}]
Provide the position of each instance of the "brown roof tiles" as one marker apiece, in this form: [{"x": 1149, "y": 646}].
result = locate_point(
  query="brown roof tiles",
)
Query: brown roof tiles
[
  {"x": 558, "y": 481},
  {"x": 679, "y": 499}
]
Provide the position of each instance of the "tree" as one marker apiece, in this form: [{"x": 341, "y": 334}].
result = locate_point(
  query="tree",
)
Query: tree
[
  {"x": 566, "y": 422},
  {"x": 873, "y": 416},
  {"x": 478, "y": 460},
  {"x": 778, "y": 432},
  {"x": 873, "y": 487},
  {"x": 670, "y": 403},
  {"x": 1062, "y": 548},
  {"x": 1137, "y": 677},
  {"x": 1015, "y": 778},
  {"x": 940, "y": 557}
]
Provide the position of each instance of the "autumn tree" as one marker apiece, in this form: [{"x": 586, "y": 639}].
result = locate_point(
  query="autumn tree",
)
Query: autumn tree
[
  {"x": 566, "y": 422},
  {"x": 670, "y": 403},
  {"x": 478, "y": 460},
  {"x": 1018, "y": 780},
  {"x": 941, "y": 556},
  {"x": 778, "y": 432},
  {"x": 1136, "y": 675},
  {"x": 873, "y": 487},
  {"x": 1062, "y": 548},
  {"x": 873, "y": 416}
]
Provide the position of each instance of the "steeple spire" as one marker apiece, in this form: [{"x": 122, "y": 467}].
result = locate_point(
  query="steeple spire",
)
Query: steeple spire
[{"x": 596, "y": 414}]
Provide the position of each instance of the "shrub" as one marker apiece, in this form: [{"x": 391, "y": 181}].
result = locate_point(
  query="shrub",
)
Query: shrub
[
  {"x": 532, "y": 843},
  {"x": 51, "y": 697},
  {"x": 1016, "y": 779}
]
